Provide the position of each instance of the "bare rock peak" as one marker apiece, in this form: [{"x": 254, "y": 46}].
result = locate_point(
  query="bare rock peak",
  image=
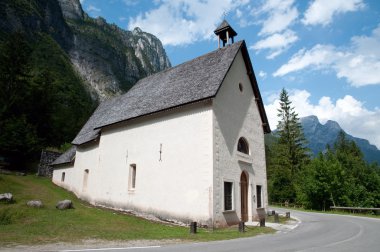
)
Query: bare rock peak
[{"x": 71, "y": 9}]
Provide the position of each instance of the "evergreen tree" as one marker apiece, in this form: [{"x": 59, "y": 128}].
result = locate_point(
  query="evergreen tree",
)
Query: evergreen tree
[
  {"x": 340, "y": 177},
  {"x": 289, "y": 153}
]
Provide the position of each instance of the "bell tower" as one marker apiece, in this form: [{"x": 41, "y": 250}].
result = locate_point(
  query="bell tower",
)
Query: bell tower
[{"x": 225, "y": 33}]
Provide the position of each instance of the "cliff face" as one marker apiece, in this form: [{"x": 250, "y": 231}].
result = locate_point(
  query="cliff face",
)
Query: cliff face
[
  {"x": 31, "y": 17},
  {"x": 110, "y": 60},
  {"x": 71, "y": 9}
]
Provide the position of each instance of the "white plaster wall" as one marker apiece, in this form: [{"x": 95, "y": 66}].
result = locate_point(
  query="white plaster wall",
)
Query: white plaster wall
[
  {"x": 86, "y": 157},
  {"x": 68, "y": 183},
  {"x": 179, "y": 186},
  {"x": 235, "y": 115}
]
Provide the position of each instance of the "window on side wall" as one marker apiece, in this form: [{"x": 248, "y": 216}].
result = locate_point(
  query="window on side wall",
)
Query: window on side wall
[
  {"x": 63, "y": 177},
  {"x": 85, "y": 180},
  {"x": 228, "y": 192},
  {"x": 132, "y": 176}
]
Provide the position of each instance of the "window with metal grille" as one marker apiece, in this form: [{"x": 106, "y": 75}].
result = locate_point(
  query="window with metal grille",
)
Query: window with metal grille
[
  {"x": 228, "y": 186},
  {"x": 243, "y": 146}
]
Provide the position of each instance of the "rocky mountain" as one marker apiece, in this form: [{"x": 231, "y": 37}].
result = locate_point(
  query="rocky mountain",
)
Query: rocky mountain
[
  {"x": 319, "y": 135},
  {"x": 109, "y": 59},
  {"x": 56, "y": 64}
]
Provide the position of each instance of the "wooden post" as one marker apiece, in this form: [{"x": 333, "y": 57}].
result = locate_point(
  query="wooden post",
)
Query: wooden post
[
  {"x": 193, "y": 227},
  {"x": 241, "y": 227},
  {"x": 262, "y": 222},
  {"x": 276, "y": 218}
]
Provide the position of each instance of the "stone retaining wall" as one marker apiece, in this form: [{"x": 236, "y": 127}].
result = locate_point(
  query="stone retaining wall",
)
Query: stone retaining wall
[{"x": 47, "y": 157}]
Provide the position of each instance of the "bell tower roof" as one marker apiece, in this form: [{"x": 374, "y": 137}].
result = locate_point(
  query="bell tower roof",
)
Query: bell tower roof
[{"x": 225, "y": 32}]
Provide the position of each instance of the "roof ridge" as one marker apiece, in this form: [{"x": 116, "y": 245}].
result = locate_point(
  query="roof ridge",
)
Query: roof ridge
[{"x": 188, "y": 82}]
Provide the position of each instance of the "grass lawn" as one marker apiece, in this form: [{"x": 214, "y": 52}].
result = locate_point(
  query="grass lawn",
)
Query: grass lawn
[{"x": 20, "y": 224}]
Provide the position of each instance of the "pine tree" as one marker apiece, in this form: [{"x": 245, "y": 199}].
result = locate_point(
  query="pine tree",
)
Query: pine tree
[{"x": 289, "y": 153}]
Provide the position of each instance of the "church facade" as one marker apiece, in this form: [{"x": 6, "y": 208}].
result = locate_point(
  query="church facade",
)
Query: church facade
[{"x": 185, "y": 144}]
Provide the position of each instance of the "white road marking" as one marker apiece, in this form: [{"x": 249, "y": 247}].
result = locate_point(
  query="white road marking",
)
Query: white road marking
[{"x": 103, "y": 249}]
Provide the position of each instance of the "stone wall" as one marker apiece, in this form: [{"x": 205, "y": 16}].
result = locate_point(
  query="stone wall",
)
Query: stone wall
[{"x": 47, "y": 157}]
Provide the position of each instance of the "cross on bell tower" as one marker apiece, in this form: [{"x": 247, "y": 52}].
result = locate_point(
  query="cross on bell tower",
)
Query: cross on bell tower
[{"x": 225, "y": 33}]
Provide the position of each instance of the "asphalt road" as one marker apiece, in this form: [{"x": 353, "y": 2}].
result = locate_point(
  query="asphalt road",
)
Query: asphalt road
[{"x": 316, "y": 232}]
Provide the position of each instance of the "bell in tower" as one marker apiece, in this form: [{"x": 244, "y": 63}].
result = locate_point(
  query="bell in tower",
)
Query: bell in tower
[{"x": 225, "y": 33}]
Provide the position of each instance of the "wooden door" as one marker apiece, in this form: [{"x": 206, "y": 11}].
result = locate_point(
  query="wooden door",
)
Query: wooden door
[{"x": 244, "y": 196}]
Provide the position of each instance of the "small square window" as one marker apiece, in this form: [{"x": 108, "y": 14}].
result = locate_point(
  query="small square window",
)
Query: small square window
[{"x": 228, "y": 192}]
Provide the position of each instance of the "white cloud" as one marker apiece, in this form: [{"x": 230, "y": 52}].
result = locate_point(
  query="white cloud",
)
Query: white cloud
[
  {"x": 359, "y": 63},
  {"x": 350, "y": 113},
  {"x": 262, "y": 74},
  {"x": 122, "y": 19},
  {"x": 92, "y": 8},
  {"x": 280, "y": 14},
  {"x": 318, "y": 57},
  {"x": 276, "y": 43},
  {"x": 276, "y": 18},
  {"x": 239, "y": 13},
  {"x": 179, "y": 22},
  {"x": 322, "y": 11}
]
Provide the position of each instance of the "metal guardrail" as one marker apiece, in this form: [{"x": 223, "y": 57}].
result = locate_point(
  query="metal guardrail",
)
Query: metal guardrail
[{"x": 358, "y": 209}]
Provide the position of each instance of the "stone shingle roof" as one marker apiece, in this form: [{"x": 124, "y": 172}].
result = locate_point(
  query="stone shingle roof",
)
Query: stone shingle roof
[
  {"x": 66, "y": 157},
  {"x": 225, "y": 26},
  {"x": 192, "y": 81}
]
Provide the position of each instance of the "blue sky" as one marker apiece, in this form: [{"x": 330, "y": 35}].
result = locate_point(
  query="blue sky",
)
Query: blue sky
[{"x": 326, "y": 53}]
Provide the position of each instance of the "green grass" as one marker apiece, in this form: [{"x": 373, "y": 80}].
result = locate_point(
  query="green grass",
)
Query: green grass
[{"x": 20, "y": 224}]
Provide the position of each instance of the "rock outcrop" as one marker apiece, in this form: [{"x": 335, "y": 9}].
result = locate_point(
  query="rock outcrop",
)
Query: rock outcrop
[
  {"x": 35, "y": 203},
  {"x": 110, "y": 60},
  {"x": 71, "y": 9},
  {"x": 64, "y": 204},
  {"x": 6, "y": 197}
]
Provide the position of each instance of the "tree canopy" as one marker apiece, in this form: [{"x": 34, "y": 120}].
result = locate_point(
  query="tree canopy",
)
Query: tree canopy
[
  {"x": 338, "y": 177},
  {"x": 43, "y": 102}
]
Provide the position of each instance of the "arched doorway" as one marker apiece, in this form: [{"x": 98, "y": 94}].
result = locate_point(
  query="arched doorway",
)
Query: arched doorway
[{"x": 244, "y": 196}]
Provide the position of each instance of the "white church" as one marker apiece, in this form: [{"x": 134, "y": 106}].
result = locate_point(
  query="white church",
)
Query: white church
[{"x": 186, "y": 143}]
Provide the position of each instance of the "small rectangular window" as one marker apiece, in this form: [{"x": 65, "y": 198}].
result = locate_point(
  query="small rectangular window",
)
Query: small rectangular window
[
  {"x": 63, "y": 177},
  {"x": 228, "y": 187},
  {"x": 258, "y": 193},
  {"x": 85, "y": 180},
  {"x": 132, "y": 176}
]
